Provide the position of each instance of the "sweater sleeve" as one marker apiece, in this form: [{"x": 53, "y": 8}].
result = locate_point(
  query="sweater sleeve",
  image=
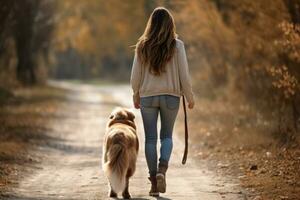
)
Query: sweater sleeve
[
  {"x": 184, "y": 75},
  {"x": 136, "y": 76}
]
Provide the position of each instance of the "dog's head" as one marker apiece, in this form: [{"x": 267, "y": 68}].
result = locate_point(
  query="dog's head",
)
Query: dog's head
[{"x": 121, "y": 115}]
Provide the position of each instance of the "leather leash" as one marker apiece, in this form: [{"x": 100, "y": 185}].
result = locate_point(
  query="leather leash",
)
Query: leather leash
[{"x": 186, "y": 133}]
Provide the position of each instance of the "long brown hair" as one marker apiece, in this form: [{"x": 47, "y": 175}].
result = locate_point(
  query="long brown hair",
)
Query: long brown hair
[{"x": 157, "y": 44}]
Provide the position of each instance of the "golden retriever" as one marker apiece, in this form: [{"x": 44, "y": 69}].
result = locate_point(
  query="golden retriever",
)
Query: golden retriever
[{"x": 120, "y": 151}]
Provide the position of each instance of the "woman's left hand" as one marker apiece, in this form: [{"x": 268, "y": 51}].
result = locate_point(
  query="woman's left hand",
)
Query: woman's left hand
[
  {"x": 137, "y": 105},
  {"x": 136, "y": 102}
]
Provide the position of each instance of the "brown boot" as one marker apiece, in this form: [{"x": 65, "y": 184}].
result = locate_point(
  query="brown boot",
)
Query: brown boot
[
  {"x": 161, "y": 176},
  {"x": 153, "y": 191}
]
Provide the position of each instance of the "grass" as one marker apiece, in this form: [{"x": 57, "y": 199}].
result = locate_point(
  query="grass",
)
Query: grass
[{"x": 5, "y": 95}]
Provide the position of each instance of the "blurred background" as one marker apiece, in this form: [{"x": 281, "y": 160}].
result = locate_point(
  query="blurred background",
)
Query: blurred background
[
  {"x": 244, "y": 59},
  {"x": 236, "y": 49}
]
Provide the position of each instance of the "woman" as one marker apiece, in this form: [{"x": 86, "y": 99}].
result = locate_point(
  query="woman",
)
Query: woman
[{"x": 159, "y": 77}]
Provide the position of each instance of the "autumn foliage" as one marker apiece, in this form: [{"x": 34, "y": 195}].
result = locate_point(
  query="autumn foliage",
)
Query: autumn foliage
[{"x": 245, "y": 50}]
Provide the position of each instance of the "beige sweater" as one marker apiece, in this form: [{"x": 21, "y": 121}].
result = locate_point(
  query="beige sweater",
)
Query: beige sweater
[{"x": 174, "y": 81}]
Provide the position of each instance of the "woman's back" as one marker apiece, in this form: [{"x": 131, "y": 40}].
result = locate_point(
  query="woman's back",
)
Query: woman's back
[{"x": 175, "y": 80}]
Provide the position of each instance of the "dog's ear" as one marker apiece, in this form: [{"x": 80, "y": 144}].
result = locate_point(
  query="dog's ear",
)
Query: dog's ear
[{"x": 130, "y": 115}]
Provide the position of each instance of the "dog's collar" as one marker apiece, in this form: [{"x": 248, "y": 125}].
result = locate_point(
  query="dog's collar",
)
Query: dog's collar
[{"x": 122, "y": 121}]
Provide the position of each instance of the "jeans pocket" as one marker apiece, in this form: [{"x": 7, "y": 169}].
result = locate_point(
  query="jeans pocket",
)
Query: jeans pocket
[
  {"x": 146, "y": 101},
  {"x": 172, "y": 102}
]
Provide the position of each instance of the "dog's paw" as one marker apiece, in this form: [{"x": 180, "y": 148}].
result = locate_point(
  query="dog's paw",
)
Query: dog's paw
[
  {"x": 113, "y": 194},
  {"x": 126, "y": 195}
]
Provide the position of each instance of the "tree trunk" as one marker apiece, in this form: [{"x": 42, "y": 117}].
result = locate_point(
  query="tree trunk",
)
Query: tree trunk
[
  {"x": 294, "y": 9},
  {"x": 24, "y": 39}
]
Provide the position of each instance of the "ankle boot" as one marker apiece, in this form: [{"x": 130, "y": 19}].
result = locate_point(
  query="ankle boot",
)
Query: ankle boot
[
  {"x": 153, "y": 191},
  {"x": 161, "y": 177}
]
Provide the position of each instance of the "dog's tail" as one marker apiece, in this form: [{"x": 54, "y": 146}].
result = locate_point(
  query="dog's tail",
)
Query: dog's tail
[{"x": 118, "y": 162}]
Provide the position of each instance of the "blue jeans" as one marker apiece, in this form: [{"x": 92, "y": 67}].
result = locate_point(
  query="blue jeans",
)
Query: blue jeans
[{"x": 167, "y": 106}]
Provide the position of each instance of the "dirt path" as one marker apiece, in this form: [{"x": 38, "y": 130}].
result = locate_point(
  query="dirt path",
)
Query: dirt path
[{"x": 71, "y": 166}]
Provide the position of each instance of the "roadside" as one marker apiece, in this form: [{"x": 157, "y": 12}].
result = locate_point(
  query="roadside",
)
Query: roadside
[
  {"x": 237, "y": 142},
  {"x": 24, "y": 117}
]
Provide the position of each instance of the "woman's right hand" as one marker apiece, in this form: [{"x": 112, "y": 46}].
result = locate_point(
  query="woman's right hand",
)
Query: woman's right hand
[{"x": 191, "y": 105}]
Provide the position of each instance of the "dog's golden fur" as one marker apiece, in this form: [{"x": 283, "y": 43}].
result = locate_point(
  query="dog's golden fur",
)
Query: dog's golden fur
[{"x": 120, "y": 150}]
